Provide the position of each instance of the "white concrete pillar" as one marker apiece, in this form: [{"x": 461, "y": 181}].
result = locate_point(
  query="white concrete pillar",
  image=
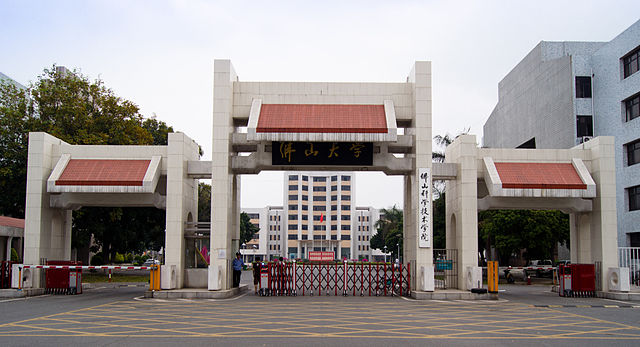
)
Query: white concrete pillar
[
  {"x": 8, "y": 257},
  {"x": 224, "y": 184},
  {"x": 462, "y": 206},
  {"x": 603, "y": 230},
  {"x": 182, "y": 199},
  {"x": 47, "y": 231},
  {"x": 419, "y": 257}
]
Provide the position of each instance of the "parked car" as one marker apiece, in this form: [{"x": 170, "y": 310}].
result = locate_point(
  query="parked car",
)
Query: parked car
[
  {"x": 150, "y": 262},
  {"x": 543, "y": 267}
]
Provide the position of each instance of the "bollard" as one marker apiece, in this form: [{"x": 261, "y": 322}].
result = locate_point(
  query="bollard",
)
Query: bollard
[{"x": 528, "y": 279}]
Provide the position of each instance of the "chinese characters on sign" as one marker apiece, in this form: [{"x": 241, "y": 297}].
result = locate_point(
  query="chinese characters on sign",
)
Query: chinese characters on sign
[
  {"x": 322, "y": 153},
  {"x": 424, "y": 207}
]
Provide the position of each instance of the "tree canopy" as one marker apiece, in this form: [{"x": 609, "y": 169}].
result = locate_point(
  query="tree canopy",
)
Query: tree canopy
[
  {"x": 389, "y": 231},
  {"x": 247, "y": 229},
  {"x": 69, "y": 106}
]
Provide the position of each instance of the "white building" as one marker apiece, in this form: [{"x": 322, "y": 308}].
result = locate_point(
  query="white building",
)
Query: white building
[{"x": 564, "y": 93}]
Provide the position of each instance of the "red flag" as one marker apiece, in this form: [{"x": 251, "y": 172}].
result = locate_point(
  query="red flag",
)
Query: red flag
[{"x": 321, "y": 217}]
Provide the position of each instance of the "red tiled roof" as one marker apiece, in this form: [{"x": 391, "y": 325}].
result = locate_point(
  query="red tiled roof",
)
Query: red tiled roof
[
  {"x": 11, "y": 222},
  {"x": 539, "y": 176},
  {"x": 103, "y": 172},
  {"x": 304, "y": 118}
]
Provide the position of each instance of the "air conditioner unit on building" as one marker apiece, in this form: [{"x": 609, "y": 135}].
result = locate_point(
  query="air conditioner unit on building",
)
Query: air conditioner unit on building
[
  {"x": 619, "y": 279},
  {"x": 168, "y": 277}
]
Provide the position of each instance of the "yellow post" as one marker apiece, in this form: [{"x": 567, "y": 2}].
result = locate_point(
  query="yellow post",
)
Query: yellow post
[
  {"x": 492, "y": 276},
  {"x": 154, "y": 277}
]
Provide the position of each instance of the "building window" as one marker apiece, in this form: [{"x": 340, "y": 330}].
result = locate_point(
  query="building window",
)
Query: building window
[
  {"x": 631, "y": 62},
  {"x": 293, "y": 177},
  {"x": 583, "y": 87},
  {"x": 305, "y": 188},
  {"x": 305, "y": 217},
  {"x": 305, "y": 178},
  {"x": 334, "y": 188},
  {"x": 318, "y": 227},
  {"x": 584, "y": 126},
  {"x": 334, "y": 178},
  {"x": 293, "y": 187},
  {"x": 633, "y": 152},
  {"x": 320, "y": 189},
  {"x": 334, "y": 237},
  {"x": 319, "y": 208},
  {"x": 319, "y": 179},
  {"x": 346, "y": 187},
  {"x": 345, "y": 237},
  {"x": 346, "y": 197},
  {"x": 334, "y": 217},
  {"x": 345, "y": 217},
  {"x": 305, "y": 207},
  {"x": 293, "y": 217},
  {"x": 316, "y": 218},
  {"x": 345, "y": 227},
  {"x": 293, "y": 197},
  {"x": 346, "y": 178},
  {"x": 305, "y": 236},
  {"x": 334, "y": 208},
  {"x": 293, "y": 227},
  {"x": 292, "y": 208},
  {"x": 634, "y": 198},
  {"x": 320, "y": 198},
  {"x": 345, "y": 207},
  {"x": 293, "y": 236},
  {"x": 632, "y": 107},
  {"x": 334, "y": 198},
  {"x": 334, "y": 227},
  {"x": 318, "y": 237},
  {"x": 304, "y": 227}
]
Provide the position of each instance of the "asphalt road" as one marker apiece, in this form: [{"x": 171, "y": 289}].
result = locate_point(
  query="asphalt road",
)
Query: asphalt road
[{"x": 524, "y": 316}]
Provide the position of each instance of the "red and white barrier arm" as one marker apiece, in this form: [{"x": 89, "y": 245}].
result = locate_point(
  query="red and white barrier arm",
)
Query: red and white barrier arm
[{"x": 87, "y": 267}]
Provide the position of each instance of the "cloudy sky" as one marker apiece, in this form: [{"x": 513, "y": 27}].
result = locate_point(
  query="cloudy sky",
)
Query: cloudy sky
[{"x": 159, "y": 54}]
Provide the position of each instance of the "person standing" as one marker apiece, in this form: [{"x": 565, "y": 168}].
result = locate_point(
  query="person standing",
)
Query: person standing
[
  {"x": 256, "y": 275},
  {"x": 237, "y": 269}
]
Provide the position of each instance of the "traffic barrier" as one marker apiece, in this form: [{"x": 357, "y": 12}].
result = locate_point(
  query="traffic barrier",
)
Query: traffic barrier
[
  {"x": 63, "y": 281},
  {"x": 336, "y": 278},
  {"x": 577, "y": 280},
  {"x": 57, "y": 282}
]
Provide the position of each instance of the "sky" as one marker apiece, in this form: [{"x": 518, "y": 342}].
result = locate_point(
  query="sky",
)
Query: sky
[{"x": 159, "y": 54}]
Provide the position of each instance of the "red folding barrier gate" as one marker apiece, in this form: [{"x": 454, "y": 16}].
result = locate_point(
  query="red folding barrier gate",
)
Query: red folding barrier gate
[{"x": 320, "y": 278}]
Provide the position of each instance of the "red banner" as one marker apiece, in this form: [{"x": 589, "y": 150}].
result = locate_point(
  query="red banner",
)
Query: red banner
[{"x": 321, "y": 256}]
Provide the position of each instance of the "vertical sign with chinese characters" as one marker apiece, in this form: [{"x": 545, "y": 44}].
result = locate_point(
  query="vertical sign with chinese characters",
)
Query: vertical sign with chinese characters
[{"x": 424, "y": 207}]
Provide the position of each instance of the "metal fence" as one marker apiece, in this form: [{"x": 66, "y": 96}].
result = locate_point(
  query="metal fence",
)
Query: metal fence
[
  {"x": 629, "y": 257},
  {"x": 598, "y": 266},
  {"x": 338, "y": 278},
  {"x": 445, "y": 263}
]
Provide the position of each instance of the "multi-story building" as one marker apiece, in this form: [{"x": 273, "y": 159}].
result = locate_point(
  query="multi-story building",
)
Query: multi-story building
[
  {"x": 319, "y": 210},
  {"x": 256, "y": 248},
  {"x": 563, "y": 93},
  {"x": 6, "y": 79},
  {"x": 319, "y": 214}
]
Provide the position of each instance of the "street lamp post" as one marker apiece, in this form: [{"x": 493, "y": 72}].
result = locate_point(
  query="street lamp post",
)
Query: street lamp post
[
  {"x": 398, "y": 244},
  {"x": 385, "y": 254},
  {"x": 244, "y": 246}
]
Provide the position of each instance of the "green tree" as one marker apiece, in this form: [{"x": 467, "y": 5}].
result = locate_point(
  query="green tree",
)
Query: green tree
[
  {"x": 389, "y": 231},
  {"x": 204, "y": 202},
  {"x": 247, "y": 229},
  {"x": 536, "y": 232},
  {"x": 79, "y": 111},
  {"x": 439, "y": 222}
]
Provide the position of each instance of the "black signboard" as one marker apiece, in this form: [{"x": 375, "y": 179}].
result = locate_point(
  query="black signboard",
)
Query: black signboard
[{"x": 322, "y": 153}]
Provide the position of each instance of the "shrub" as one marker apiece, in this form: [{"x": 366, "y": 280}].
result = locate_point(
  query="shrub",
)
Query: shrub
[
  {"x": 14, "y": 255},
  {"x": 128, "y": 258},
  {"x": 119, "y": 258}
]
